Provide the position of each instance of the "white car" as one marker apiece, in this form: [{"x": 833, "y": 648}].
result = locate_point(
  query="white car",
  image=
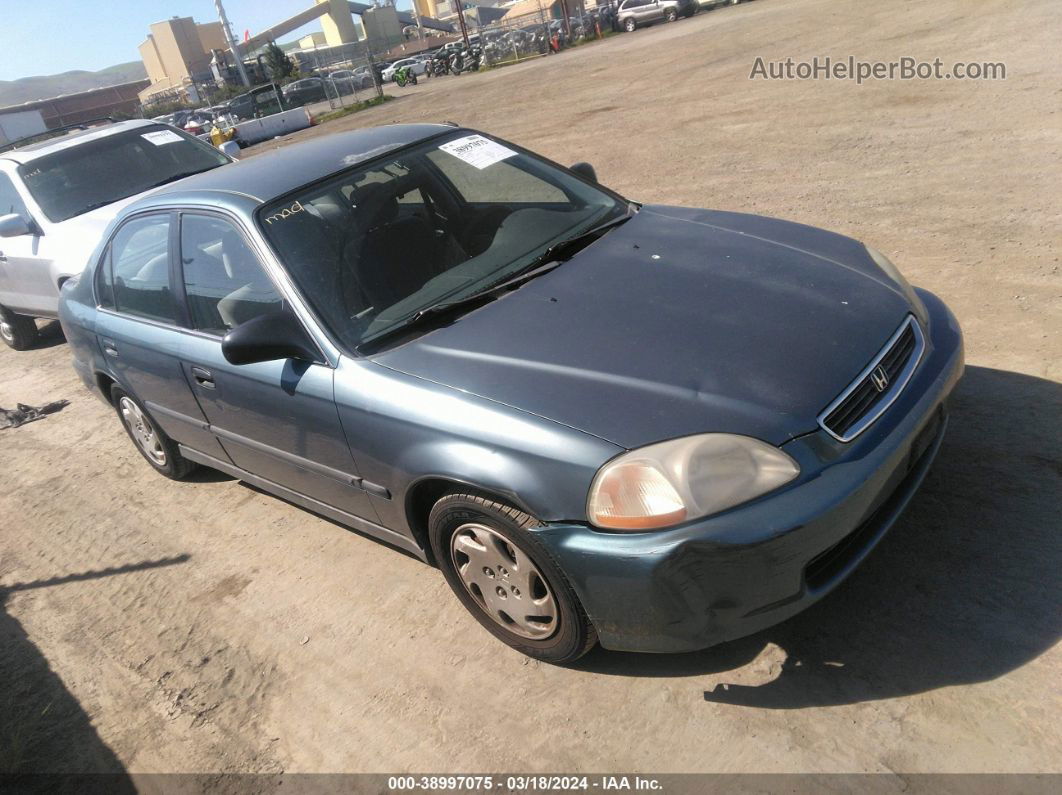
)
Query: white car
[
  {"x": 417, "y": 66},
  {"x": 58, "y": 195}
]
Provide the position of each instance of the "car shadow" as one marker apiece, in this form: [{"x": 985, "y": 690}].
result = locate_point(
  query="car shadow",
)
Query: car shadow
[
  {"x": 205, "y": 474},
  {"x": 49, "y": 334},
  {"x": 963, "y": 589},
  {"x": 47, "y": 740}
]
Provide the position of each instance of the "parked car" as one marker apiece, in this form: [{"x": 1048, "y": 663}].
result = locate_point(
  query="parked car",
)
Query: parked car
[
  {"x": 655, "y": 427},
  {"x": 348, "y": 81},
  {"x": 58, "y": 195},
  {"x": 260, "y": 101},
  {"x": 198, "y": 122},
  {"x": 417, "y": 66},
  {"x": 305, "y": 91},
  {"x": 635, "y": 14}
]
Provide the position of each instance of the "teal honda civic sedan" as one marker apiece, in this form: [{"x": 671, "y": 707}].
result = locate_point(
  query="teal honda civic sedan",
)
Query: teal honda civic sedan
[{"x": 653, "y": 427}]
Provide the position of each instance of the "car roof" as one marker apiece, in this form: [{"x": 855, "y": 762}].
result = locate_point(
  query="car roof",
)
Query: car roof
[
  {"x": 271, "y": 174},
  {"x": 25, "y": 154}
]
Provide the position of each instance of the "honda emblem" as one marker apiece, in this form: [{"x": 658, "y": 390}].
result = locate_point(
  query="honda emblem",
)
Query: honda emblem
[{"x": 879, "y": 378}]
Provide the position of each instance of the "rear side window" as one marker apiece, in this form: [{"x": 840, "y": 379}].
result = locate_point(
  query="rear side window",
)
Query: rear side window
[
  {"x": 224, "y": 282},
  {"x": 139, "y": 261}
]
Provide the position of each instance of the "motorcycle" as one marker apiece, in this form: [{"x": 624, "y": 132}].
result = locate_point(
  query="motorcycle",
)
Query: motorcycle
[
  {"x": 466, "y": 60},
  {"x": 405, "y": 76}
]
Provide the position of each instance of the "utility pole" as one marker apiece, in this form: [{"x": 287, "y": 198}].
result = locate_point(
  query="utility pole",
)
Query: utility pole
[
  {"x": 567, "y": 22},
  {"x": 234, "y": 48},
  {"x": 461, "y": 19},
  {"x": 416, "y": 18}
]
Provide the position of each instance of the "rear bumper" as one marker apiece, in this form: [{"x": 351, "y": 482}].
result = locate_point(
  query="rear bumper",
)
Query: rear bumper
[{"x": 746, "y": 569}]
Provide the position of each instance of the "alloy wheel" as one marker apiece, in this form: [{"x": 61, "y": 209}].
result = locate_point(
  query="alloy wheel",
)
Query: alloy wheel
[
  {"x": 142, "y": 431},
  {"x": 504, "y": 581},
  {"x": 6, "y": 331}
]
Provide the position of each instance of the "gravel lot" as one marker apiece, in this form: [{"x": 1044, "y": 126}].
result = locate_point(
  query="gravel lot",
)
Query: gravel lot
[{"x": 245, "y": 634}]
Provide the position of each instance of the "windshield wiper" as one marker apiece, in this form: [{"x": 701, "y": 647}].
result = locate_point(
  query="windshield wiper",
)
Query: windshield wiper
[
  {"x": 173, "y": 178},
  {"x": 549, "y": 259},
  {"x": 96, "y": 205},
  {"x": 569, "y": 247}
]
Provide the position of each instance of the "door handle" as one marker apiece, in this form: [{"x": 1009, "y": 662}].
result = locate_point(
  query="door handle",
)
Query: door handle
[
  {"x": 203, "y": 377},
  {"x": 109, "y": 347}
]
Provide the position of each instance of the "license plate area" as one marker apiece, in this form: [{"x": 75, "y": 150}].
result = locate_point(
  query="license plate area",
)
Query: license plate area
[{"x": 924, "y": 440}]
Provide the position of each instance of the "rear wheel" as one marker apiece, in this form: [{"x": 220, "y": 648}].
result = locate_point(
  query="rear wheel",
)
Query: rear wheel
[
  {"x": 629, "y": 24},
  {"x": 17, "y": 331},
  {"x": 158, "y": 449},
  {"x": 507, "y": 579}
]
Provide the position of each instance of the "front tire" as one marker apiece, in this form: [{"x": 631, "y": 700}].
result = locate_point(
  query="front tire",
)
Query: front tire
[
  {"x": 670, "y": 15},
  {"x": 507, "y": 579},
  {"x": 18, "y": 332},
  {"x": 151, "y": 442}
]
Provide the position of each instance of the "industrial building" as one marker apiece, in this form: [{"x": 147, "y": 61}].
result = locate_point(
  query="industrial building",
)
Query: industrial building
[
  {"x": 177, "y": 53},
  {"x": 120, "y": 100}
]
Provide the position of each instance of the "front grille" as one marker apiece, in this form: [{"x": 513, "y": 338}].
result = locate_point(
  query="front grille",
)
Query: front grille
[{"x": 874, "y": 389}]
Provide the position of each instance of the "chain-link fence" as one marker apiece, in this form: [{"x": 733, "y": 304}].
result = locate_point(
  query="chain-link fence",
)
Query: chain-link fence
[
  {"x": 346, "y": 71},
  {"x": 512, "y": 39}
]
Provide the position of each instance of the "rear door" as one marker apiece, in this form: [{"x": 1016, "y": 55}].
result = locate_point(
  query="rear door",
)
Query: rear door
[
  {"x": 650, "y": 11},
  {"x": 277, "y": 420},
  {"x": 137, "y": 328}
]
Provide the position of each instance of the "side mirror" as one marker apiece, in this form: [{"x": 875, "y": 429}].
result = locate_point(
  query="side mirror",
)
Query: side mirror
[
  {"x": 268, "y": 338},
  {"x": 230, "y": 148},
  {"x": 14, "y": 225},
  {"x": 584, "y": 170}
]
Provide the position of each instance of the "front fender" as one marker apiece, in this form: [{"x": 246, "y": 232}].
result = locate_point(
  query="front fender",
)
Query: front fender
[{"x": 402, "y": 430}]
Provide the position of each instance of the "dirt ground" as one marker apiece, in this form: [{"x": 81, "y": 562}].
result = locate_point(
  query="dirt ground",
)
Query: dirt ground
[{"x": 204, "y": 626}]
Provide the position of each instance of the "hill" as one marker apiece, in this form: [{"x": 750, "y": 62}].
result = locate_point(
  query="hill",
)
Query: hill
[{"x": 27, "y": 89}]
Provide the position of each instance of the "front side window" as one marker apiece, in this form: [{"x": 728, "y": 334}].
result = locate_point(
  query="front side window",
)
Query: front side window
[
  {"x": 374, "y": 245},
  {"x": 224, "y": 282},
  {"x": 98, "y": 172},
  {"x": 139, "y": 263}
]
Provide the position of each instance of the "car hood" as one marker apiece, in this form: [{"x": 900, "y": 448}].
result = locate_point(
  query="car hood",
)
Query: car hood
[{"x": 678, "y": 322}]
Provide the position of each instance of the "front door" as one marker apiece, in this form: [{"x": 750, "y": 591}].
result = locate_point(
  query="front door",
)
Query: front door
[
  {"x": 25, "y": 273},
  {"x": 277, "y": 420}
]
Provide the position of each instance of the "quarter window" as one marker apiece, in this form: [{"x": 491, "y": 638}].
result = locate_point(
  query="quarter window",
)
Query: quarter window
[
  {"x": 224, "y": 282},
  {"x": 140, "y": 269},
  {"x": 10, "y": 201},
  {"x": 105, "y": 282}
]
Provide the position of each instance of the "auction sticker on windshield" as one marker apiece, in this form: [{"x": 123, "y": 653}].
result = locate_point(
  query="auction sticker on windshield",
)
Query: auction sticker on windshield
[
  {"x": 160, "y": 137},
  {"x": 477, "y": 151}
]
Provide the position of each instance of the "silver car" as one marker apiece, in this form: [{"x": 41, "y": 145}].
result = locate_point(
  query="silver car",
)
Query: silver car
[
  {"x": 58, "y": 195},
  {"x": 634, "y": 14}
]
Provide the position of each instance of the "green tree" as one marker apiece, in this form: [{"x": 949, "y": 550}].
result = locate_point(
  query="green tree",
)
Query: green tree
[{"x": 279, "y": 66}]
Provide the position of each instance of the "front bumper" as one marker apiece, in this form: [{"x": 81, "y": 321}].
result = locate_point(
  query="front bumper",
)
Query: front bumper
[{"x": 743, "y": 570}]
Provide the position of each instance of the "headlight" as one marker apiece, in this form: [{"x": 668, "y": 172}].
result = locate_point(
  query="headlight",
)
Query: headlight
[
  {"x": 893, "y": 273},
  {"x": 670, "y": 482}
]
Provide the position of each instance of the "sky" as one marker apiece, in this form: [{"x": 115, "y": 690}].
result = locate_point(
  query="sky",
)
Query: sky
[{"x": 44, "y": 37}]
